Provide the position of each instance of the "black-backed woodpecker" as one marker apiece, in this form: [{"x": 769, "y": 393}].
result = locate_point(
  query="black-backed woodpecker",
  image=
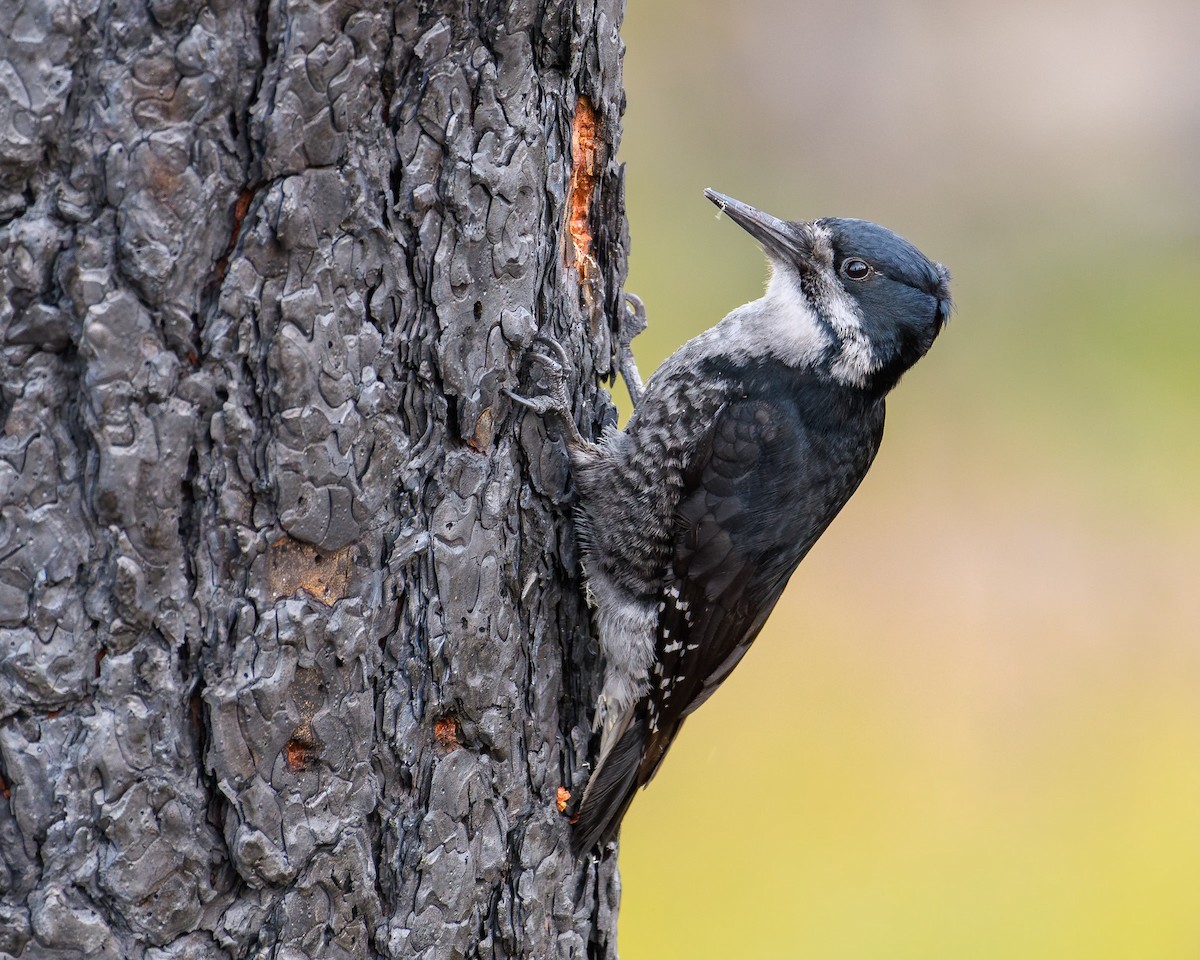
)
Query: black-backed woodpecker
[{"x": 741, "y": 450}]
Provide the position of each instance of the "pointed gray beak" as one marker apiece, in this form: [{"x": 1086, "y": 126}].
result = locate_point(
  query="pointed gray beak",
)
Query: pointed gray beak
[{"x": 779, "y": 238}]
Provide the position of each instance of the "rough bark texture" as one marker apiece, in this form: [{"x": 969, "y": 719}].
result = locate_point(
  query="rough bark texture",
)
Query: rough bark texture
[{"x": 293, "y": 657}]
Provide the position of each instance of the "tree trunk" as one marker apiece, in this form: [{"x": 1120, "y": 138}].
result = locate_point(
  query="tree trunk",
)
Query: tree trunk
[{"x": 293, "y": 653}]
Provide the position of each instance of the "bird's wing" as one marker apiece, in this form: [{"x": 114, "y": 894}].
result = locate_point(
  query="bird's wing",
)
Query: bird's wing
[
  {"x": 738, "y": 538},
  {"x": 740, "y": 534}
]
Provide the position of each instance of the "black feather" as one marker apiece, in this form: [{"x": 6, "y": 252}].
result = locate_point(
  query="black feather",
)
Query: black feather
[
  {"x": 610, "y": 791},
  {"x": 764, "y": 482}
]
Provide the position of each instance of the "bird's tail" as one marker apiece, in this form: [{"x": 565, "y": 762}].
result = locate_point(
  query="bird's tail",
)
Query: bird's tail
[{"x": 610, "y": 789}]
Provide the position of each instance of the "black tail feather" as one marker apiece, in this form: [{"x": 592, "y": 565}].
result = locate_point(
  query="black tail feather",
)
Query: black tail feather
[{"x": 610, "y": 791}]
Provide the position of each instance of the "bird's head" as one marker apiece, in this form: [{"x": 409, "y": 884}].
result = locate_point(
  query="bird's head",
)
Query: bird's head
[{"x": 871, "y": 300}]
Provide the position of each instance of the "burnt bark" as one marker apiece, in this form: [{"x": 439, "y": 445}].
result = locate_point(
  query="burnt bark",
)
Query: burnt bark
[{"x": 294, "y": 658}]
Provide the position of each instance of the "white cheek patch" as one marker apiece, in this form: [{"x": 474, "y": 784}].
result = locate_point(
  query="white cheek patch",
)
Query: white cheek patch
[
  {"x": 787, "y": 327},
  {"x": 854, "y": 361}
]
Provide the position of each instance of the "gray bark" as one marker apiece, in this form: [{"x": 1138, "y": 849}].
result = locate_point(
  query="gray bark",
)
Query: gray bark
[{"x": 293, "y": 655}]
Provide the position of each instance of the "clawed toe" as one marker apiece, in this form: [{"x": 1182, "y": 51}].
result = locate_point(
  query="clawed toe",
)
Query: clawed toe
[
  {"x": 547, "y": 406},
  {"x": 635, "y": 317},
  {"x": 633, "y": 323},
  {"x": 539, "y": 405},
  {"x": 555, "y": 405},
  {"x": 555, "y": 366},
  {"x": 560, "y": 353},
  {"x": 554, "y": 360}
]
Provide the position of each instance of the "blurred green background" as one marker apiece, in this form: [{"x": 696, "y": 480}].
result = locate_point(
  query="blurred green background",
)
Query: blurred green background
[{"x": 972, "y": 726}]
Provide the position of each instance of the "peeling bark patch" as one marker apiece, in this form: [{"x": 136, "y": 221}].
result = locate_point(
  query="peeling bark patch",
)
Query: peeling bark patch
[
  {"x": 240, "y": 209},
  {"x": 294, "y": 565},
  {"x": 301, "y": 750},
  {"x": 5, "y": 791},
  {"x": 584, "y": 140},
  {"x": 485, "y": 432},
  {"x": 562, "y": 798},
  {"x": 445, "y": 731}
]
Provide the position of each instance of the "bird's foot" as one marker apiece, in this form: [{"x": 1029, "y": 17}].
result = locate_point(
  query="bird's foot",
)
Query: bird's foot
[
  {"x": 633, "y": 323},
  {"x": 555, "y": 404}
]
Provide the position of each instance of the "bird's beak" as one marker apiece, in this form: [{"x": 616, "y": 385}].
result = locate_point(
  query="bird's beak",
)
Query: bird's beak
[{"x": 779, "y": 238}]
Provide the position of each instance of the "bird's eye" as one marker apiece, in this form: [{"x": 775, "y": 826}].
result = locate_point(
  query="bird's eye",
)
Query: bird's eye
[{"x": 855, "y": 269}]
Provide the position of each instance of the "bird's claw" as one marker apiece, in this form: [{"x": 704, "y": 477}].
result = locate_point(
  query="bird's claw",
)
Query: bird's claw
[
  {"x": 555, "y": 403},
  {"x": 560, "y": 361},
  {"x": 542, "y": 406},
  {"x": 633, "y": 323},
  {"x": 635, "y": 318},
  {"x": 556, "y": 371}
]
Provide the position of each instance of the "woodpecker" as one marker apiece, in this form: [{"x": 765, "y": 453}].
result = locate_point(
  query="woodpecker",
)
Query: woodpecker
[{"x": 740, "y": 451}]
